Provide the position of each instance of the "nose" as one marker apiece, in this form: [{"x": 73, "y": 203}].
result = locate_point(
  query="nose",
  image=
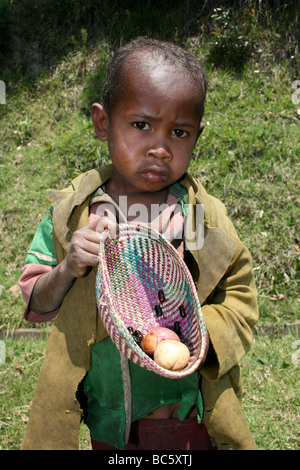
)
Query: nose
[{"x": 159, "y": 151}]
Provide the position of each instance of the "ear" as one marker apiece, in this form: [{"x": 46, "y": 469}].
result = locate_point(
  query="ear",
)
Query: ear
[{"x": 100, "y": 121}]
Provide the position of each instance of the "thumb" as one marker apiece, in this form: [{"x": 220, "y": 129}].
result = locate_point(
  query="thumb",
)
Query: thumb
[
  {"x": 107, "y": 224},
  {"x": 94, "y": 223}
]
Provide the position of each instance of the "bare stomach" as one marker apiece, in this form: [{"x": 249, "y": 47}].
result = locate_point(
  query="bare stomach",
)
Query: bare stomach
[{"x": 169, "y": 411}]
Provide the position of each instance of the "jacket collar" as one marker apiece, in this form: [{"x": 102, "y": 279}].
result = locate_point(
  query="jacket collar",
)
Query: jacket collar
[{"x": 70, "y": 203}]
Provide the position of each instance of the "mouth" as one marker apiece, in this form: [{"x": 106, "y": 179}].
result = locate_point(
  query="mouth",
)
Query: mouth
[{"x": 155, "y": 174}]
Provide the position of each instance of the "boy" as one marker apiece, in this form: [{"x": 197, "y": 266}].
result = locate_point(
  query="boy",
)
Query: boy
[{"x": 151, "y": 111}]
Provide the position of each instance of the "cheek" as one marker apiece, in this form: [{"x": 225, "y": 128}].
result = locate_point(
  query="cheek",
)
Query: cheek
[
  {"x": 183, "y": 157},
  {"x": 183, "y": 166},
  {"x": 122, "y": 141},
  {"x": 122, "y": 155}
]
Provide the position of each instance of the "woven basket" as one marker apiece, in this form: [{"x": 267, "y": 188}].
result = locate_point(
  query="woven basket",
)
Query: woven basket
[{"x": 133, "y": 268}]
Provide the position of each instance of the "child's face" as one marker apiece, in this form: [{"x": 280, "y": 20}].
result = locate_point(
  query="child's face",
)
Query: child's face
[{"x": 152, "y": 129}]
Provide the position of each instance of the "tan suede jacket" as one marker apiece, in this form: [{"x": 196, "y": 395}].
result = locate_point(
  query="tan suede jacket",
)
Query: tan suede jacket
[{"x": 222, "y": 271}]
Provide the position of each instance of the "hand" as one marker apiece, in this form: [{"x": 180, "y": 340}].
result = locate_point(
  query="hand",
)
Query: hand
[
  {"x": 84, "y": 246},
  {"x": 51, "y": 288}
]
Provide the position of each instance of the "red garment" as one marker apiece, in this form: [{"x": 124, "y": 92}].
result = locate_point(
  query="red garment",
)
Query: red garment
[{"x": 164, "y": 434}]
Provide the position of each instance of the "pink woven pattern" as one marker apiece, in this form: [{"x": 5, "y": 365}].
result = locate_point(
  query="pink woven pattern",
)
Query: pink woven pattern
[{"x": 132, "y": 269}]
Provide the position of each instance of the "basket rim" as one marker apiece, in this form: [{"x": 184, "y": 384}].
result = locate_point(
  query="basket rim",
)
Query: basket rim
[{"x": 140, "y": 229}]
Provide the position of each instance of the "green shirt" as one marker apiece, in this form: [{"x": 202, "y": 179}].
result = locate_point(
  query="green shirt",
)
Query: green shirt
[{"x": 104, "y": 387}]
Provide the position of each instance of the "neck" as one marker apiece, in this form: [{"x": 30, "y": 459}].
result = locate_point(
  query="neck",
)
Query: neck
[{"x": 135, "y": 203}]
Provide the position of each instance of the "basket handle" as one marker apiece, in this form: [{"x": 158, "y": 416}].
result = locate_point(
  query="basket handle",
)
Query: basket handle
[{"x": 127, "y": 395}]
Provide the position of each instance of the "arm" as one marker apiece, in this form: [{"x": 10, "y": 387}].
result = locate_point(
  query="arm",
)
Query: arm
[
  {"x": 51, "y": 288},
  {"x": 30, "y": 274}
]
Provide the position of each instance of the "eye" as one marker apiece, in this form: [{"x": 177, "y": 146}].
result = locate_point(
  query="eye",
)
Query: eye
[
  {"x": 141, "y": 125},
  {"x": 180, "y": 133}
]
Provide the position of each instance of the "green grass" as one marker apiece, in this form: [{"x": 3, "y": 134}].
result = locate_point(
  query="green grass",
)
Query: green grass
[
  {"x": 271, "y": 391},
  {"x": 19, "y": 373},
  {"x": 18, "y": 379}
]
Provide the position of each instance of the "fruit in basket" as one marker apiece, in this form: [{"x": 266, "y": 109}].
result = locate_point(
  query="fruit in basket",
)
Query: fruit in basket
[
  {"x": 155, "y": 336},
  {"x": 172, "y": 355}
]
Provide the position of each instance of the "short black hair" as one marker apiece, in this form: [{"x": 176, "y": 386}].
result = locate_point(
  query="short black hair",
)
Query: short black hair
[{"x": 171, "y": 53}]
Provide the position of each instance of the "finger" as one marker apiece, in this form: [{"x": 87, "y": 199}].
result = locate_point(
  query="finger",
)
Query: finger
[
  {"x": 90, "y": 231},
  {"x": 108, "y": 224},
  {"x": 89, "y": 246},
  {"x": 94, "y": 223}
]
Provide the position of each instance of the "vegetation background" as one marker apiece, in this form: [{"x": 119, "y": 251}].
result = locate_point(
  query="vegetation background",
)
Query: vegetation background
[{"x": 53, "y": 57}]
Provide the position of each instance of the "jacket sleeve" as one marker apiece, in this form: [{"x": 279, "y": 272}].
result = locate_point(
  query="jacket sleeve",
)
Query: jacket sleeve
[
  {"x": 230, "y": 313},
  {"x": 39, "y": 261}
]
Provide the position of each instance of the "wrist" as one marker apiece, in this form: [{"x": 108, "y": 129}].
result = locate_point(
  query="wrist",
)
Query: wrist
[{"x": 67, "y": 272}]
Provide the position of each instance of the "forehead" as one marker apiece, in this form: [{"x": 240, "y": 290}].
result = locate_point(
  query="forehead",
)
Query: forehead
[{"x": 160, "y": 81}]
